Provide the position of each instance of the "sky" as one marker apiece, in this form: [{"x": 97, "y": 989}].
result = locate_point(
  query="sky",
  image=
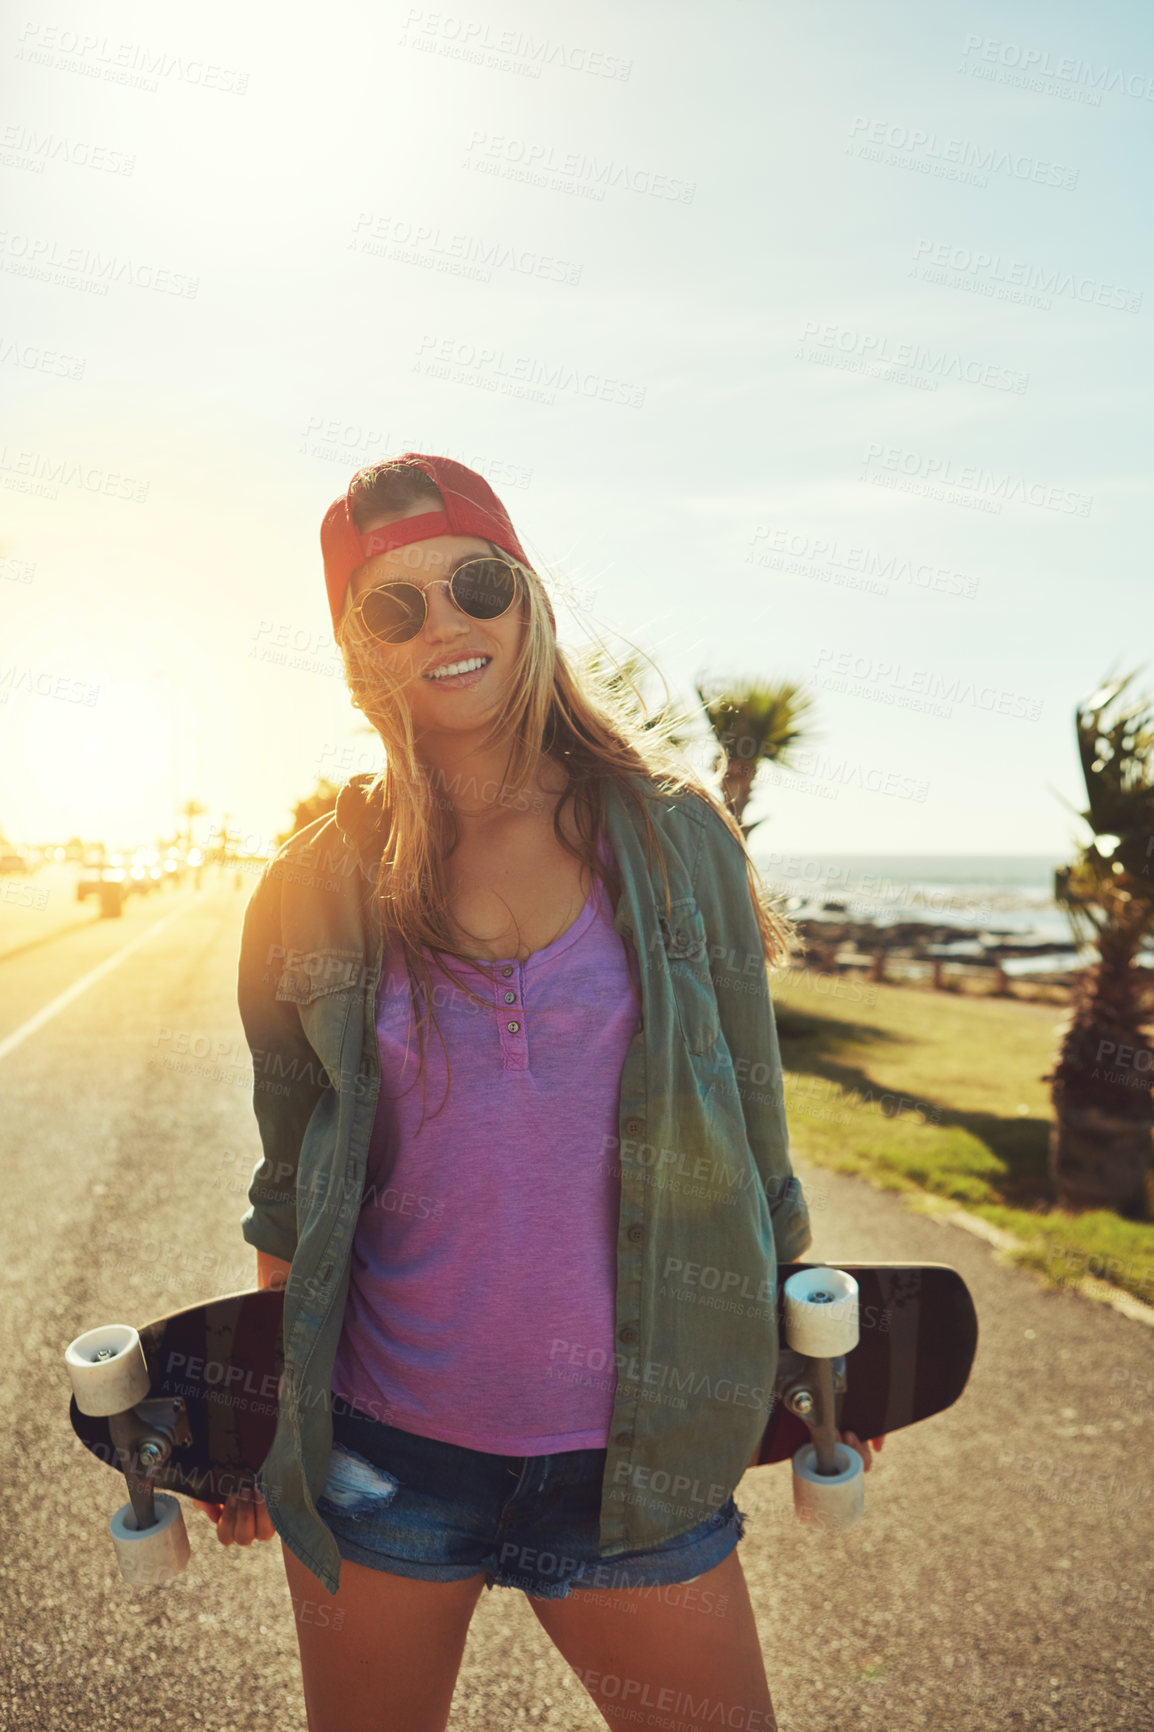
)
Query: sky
[{"x": 803, "y": 342}]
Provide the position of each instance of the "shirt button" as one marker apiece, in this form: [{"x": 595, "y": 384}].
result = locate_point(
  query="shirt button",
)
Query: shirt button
[
  {"x": 635, "y": 1235},
  {"x": 628, "y": 1335},
  {"x": 513, "y": 1027},
  {"x": 624, "y": 1437},
  {"x": 507, "y": 972},
  {"x": 634, "y": 1127},
  {"x": 510, "y": 998}
]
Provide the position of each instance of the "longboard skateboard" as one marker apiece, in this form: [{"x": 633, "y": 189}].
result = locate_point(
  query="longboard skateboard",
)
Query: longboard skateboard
[
  {"x": 188, "y": 1404},
  {"x": 918, "y": 1334}
]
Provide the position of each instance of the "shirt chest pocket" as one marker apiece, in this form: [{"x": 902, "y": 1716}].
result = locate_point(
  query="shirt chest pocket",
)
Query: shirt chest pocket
[
  {"x": 686, "y": 951},
  {"x": 324, "y": 987}
]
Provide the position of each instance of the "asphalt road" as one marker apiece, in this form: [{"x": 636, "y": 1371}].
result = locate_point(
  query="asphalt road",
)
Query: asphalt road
[{"x": 1003, "y": 1576}]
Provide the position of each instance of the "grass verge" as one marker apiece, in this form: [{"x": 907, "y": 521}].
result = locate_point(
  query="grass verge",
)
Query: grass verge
[{"x": 943, "y": 1093}]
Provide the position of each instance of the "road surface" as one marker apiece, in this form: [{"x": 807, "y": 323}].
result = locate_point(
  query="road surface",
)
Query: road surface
[{"x": 1003, "y": 1577}]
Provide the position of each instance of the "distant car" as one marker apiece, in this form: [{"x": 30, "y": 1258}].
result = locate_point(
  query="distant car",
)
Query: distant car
[
  {"x": 104, "y": 876},
  {"x": 145, "y": 873},
  {"x": 11, "y": 860}
]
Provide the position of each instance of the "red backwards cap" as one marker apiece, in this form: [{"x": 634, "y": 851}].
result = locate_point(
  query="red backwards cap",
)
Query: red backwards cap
[{"x": 470, "y": 508}]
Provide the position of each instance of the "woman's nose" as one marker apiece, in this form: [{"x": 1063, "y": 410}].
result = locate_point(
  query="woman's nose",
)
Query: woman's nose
[{"x": 444, "y": 618}]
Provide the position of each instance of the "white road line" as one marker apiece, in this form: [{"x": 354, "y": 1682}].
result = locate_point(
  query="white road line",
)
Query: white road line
[{"x": 65, "y": 998}]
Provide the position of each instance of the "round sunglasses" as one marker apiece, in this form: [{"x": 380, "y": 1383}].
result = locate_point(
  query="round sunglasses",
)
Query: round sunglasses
[{"x": 483, "y": 588}]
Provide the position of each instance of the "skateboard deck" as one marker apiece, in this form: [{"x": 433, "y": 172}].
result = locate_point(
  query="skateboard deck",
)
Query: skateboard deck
[
  {"x": 223, "y": 1360},
  {"x": 917, "y": 1341}
]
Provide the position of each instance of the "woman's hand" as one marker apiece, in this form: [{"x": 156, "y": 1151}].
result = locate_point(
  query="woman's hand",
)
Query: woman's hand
[
  {"x": 863, "y": 1449},
  {"x": 241, "y": 1519}
]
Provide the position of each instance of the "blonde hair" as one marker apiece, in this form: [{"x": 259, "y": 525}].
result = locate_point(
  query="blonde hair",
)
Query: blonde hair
[{"x": 594, "y": 725}]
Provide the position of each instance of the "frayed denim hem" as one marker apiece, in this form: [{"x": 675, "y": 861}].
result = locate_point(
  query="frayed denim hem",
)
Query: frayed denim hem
[{"x": 682, "y": 1560}]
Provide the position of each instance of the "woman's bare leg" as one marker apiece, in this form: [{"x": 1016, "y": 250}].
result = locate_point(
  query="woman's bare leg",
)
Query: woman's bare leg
[
  {"x": 687, "y": 1652},
  {"x": 381, "y": 1654}
]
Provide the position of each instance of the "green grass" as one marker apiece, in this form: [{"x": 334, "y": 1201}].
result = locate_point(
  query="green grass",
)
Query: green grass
[{"x": 942, "y": 1093}]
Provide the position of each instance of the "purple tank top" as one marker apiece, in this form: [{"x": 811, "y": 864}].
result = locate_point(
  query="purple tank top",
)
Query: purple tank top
[{"x": 482, "y": 1299}]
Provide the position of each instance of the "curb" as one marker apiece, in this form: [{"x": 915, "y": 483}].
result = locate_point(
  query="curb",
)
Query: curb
[{"x": 1089, "y": 1286}]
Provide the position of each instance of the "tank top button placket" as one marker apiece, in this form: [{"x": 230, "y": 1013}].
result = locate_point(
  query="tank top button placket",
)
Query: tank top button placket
[{"x": 510, "y": 1008}]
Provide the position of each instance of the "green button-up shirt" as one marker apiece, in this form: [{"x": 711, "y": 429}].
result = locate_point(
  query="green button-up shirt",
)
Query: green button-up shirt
[{"x": 709, "y": 1202}]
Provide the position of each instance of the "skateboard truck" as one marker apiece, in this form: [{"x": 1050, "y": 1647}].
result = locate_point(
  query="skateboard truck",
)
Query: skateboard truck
[
  {"x": 144, "y": 1438},
  {"x": 821, "y": 1327},
  {"x": 812, "y": 1389},
  {"x": 110, "y": 1380}
]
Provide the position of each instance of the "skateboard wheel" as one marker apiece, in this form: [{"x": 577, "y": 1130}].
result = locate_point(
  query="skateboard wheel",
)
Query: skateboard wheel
[
  {"x": 150, "y": 1557},
  {"x": 830, "y": 1501},
  {"x": 108, "y": 1370},
  {"x": 821, "y": 1312}
]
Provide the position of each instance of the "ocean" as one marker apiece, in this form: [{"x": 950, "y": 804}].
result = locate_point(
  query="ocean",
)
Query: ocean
[{"x": 989, "y": 895}]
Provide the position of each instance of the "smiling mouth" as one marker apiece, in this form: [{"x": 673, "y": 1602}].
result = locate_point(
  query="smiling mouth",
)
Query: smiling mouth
[{"x": 451, "y": 670}]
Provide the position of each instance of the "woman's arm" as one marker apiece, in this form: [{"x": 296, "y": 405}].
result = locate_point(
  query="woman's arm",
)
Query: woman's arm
[
  {"x": 278, "y": 1047},
  {"x": 287, "y": 1074},
  {"x": 271, "y": 1271},
  {"x": 745, "y": 1010}
]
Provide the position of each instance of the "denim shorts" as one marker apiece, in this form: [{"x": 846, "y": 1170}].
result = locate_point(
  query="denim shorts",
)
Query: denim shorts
[{"x": 414, "y": 1506}]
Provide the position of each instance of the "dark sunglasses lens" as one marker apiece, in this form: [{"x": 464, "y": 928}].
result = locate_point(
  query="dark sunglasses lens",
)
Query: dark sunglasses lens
[
  {"x": 395, "y": 612},
  {"x": 484, "y": 588}
]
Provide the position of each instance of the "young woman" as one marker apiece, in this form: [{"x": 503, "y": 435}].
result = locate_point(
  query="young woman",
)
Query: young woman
[{"x": 519, "y": 1093}]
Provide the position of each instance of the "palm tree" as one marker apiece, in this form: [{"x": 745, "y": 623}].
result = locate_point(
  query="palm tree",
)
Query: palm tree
[
  {"x": 191, "y": 810},
  {"x": 750, "y": 720},
  {"x": 1100, "y": 1141},
  {"x": 754, "y": 721},
  {"x": 314, "y": 805},
  {"x": 624, "y": 678}
]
